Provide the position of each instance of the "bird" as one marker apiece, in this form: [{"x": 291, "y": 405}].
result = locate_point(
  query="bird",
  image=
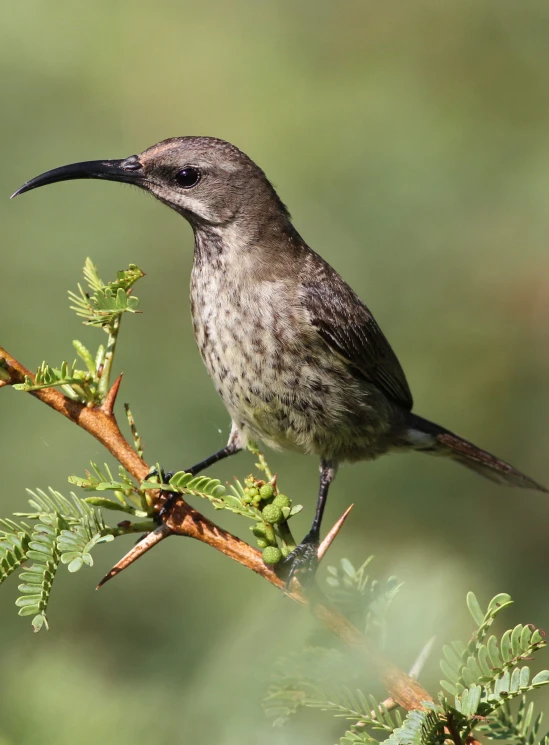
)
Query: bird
[{"x": 297, "y": 358}]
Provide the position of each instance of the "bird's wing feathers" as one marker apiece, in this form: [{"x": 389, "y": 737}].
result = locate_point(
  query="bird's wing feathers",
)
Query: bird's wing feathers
[{"x": 346, "y": 324}]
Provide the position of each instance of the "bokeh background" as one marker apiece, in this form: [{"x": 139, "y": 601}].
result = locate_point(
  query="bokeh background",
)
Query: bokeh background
[{"x": 410, "y": 140}]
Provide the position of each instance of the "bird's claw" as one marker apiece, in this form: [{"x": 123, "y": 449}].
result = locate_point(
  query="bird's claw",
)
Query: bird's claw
[
  {"x": 171, "y": 497},
  {"x": 302, "y": 562},
  {"x": 163, "y": 475}
]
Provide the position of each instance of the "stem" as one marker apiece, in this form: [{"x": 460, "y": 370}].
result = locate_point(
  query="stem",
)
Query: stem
[
  {"x": 453, "y": 730},
  {"x": 104, "y": 380},
  {"x": 262, "y": 465},
  {"x": 127, "y": 528},
  {"x": 285, "y": 535}
]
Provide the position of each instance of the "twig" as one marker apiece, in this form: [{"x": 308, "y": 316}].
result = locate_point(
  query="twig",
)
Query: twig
[{"x": 186, "y": 521}]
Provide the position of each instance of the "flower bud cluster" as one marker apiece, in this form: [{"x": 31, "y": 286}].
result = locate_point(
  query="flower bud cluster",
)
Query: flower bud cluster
[{"x": 275, "y": 508}]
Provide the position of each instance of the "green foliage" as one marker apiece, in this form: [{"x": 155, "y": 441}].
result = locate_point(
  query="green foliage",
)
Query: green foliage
[
  {"x": 254, "y": 500},
  {"x": 485, "y": 672},
  {"x": 79, "y": 385},
  {"x": 37, "y": 579},
  {"x": 128, "y": 497},
  {"x": 483, "y": 676},
  {"x": 517, "y": 727},
  {"x": 106, "y": 302},
  {"x": 75, "y": 544},
  {"x": 14, "y": 544},
  {"x": 419, "y": 728},
  {"x": 137, "y": 443},
  {"x": 102, "y": 307},
  {"x": 364, "y": 600},
  {"x": 64, "y": 532},
  {"x": 323, "y": 678}
]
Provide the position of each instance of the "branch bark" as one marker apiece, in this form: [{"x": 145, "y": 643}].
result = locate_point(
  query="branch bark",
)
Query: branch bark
[{"x": 184, "y": 520}]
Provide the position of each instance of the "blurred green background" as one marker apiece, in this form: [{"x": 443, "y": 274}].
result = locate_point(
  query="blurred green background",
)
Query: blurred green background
[{"x": 410, "y": 141}]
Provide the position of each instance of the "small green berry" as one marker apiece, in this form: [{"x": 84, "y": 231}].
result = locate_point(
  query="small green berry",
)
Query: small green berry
[
  {"x": 246, "y": 499},
  {"x": 282, "y": 501},
  {"x": 271, "y": 513},
  {"x": 267, "y": 491},
  {"x": 262, "y": 543},
  {"x": 270, "y": 535},
  {"x": 272, "y": 555},
  {"x": 259, "y": 530},
  {"x": 253, "y": 492}
]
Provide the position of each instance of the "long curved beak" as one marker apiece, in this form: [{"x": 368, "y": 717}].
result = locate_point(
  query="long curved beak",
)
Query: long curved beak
[{"x": 112, "y": 170}]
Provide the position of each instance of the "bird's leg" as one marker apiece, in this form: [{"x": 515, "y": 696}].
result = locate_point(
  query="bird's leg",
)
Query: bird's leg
[
  {"x": 232, "y": 447},
  {"x": 303, "y": 560}
]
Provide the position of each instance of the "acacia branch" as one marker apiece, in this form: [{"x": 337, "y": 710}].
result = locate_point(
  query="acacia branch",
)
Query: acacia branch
[{"x": 186, "y": 521}]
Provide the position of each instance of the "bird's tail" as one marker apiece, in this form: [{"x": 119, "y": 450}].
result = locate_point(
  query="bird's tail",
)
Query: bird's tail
[{"x": 428, "y": 437}]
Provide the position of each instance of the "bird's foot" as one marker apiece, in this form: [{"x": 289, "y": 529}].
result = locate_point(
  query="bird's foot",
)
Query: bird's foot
[
  {"x": 170, "y": 497},
  {"x": 302, "y": 562}
]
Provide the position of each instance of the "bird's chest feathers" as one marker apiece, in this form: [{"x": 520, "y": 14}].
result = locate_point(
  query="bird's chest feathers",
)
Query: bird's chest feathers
[{"x": 242, "y": 323}]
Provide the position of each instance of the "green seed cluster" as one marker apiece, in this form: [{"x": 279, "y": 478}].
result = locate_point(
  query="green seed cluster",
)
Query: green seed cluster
[
  {"x": 256, "y": 491},
  {"x": 275, "y": 508}
]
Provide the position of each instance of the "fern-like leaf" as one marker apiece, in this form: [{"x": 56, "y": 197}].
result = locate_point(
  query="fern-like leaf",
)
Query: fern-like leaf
[
  {"x": 76, "y": 543},
  {"x": 485, "y": 659},
  {"x": 207, "y": 488},
  {"x": 419, "y": 728},
  {"x": 37, "y": 579},
  {"x": 106, "y": 303},
  {"x": 518, "y": 728},
  {"x": 14, "y": 544},
  {"x": 79, "y": 385},
  {"x": 364, "y": 600},
  {"x": 353, "y": 737}
]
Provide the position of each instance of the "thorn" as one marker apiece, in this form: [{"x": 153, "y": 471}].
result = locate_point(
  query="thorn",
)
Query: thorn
[
  {"x": 108, "y": 404},
  {"x": 150, "y": 540},
  {"x": 330, "y": 536},
  {"x": 422, "y": 657}
]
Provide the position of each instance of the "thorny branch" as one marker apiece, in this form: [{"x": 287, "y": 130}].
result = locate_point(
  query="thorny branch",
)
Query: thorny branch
[{"x": 186, "y": 521}]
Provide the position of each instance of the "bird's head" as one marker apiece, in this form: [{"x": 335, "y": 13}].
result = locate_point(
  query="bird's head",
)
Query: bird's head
[{"x": 208, "y": 181}]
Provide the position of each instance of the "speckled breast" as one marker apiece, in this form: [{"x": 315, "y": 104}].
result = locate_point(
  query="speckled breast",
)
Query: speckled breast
[{"x": 277, "y": 378}]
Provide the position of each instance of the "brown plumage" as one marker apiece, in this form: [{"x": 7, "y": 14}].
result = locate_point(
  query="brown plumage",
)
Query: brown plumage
[{"x": 296, "y": 356}]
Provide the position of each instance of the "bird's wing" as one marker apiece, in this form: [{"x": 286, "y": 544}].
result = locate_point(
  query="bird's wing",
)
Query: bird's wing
[{"x": 346, "y": 324}]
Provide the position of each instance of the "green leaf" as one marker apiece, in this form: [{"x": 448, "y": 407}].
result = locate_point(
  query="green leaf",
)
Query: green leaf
[
  {"x": 515, "y": 640},
  {"x": 541, "y": 679},
  {"x": 39, "y": 622},
  {"x": 498, "y": 603},
  {"x": 506, "y": 647},
  {"x": 76, "y": 564},
  {"x": 475, "y": 609},
  {"x": 493, "y": 651},
  {"x": 38, "y": 582},
  {"x": 108, "y": 504}
]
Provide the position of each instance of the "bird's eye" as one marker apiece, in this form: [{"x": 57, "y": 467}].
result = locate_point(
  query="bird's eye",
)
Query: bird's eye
[{"x": 188, "y": 177}]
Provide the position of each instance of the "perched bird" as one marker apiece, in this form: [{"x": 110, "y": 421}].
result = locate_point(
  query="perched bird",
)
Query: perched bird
[{"x": 296, "y": 356}]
